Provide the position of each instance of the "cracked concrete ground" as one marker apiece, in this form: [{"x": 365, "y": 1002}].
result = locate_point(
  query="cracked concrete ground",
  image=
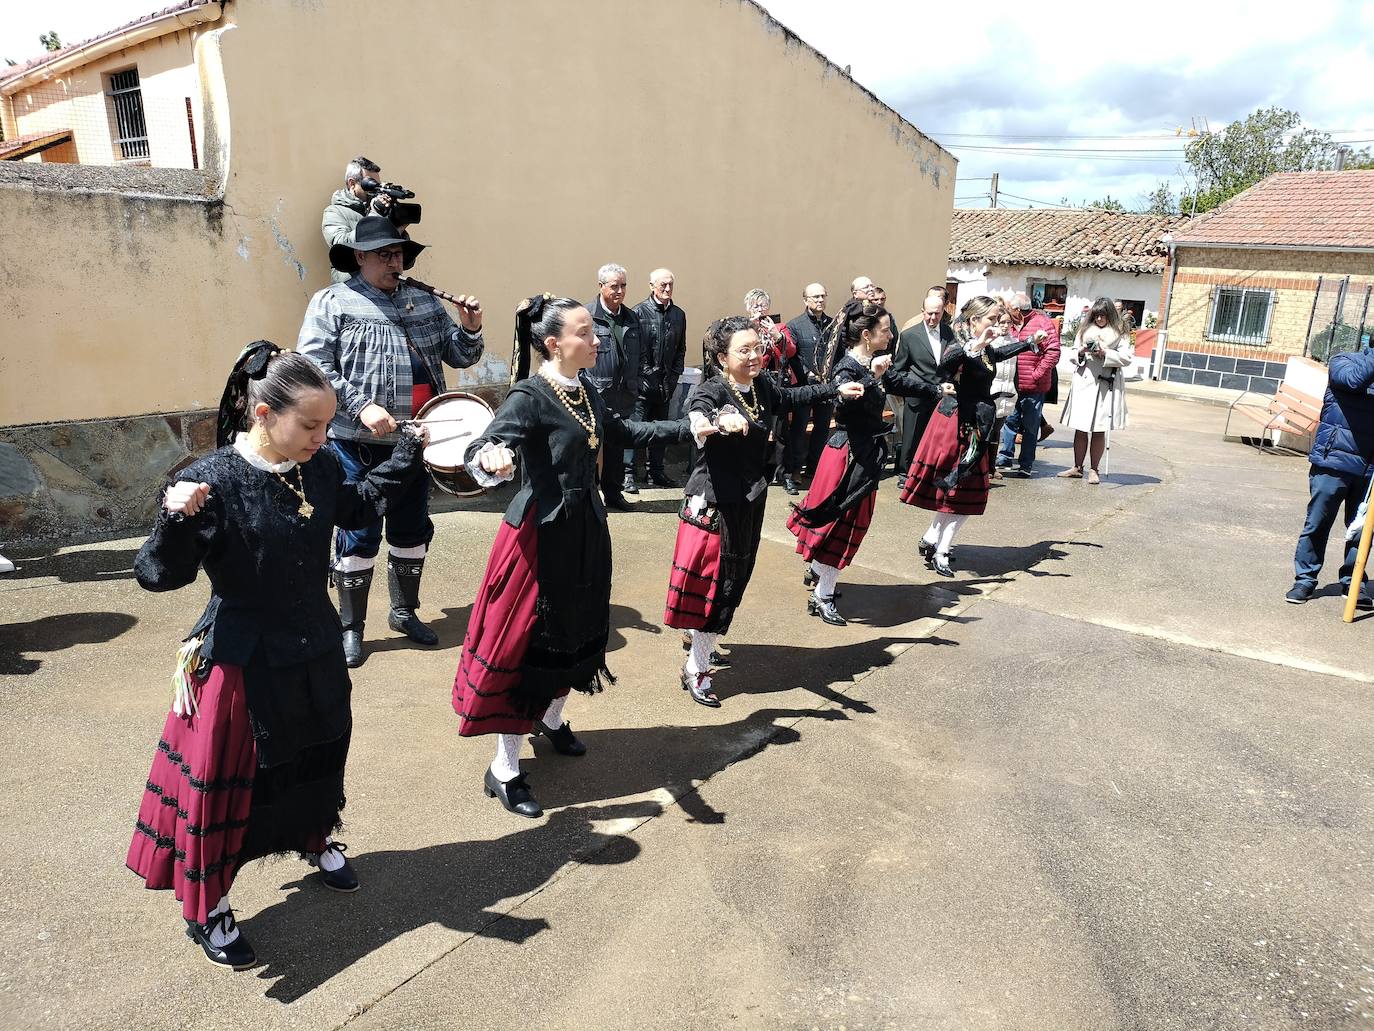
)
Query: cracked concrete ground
[{"x": 1105, "y": 778}]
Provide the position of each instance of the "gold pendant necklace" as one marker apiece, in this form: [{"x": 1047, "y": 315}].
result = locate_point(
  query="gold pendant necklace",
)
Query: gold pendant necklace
[
  {"x": 306, "y": 508},
  {"x": 572, "y": 403},
  {"x": 752, "y": 409}
]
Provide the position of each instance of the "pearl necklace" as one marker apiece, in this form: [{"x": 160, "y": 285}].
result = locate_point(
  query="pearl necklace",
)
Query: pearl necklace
[
  {"x": 752, "y": 409},
  {"x": 572, "y": 404},
  {"x": 306, "y": 508}
]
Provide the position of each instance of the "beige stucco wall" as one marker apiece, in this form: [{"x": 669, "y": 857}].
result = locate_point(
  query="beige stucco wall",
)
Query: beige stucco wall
[
  {"x": 1291, "y": 275},
  {"x": 77, "y": 101},
  {"x": 710, "y": 141}
]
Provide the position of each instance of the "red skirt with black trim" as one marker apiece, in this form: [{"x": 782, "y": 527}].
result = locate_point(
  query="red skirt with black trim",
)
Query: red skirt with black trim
[
  {"x": 834, "y": 544},
  {"x": 193, "y": 827},
  {"x": 694, "y": 579},
  {"x": 937, "y": 456}
]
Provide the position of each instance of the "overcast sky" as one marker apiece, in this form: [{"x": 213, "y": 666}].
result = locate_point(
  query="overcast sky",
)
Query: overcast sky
[{"x": 1012, "y": 77}]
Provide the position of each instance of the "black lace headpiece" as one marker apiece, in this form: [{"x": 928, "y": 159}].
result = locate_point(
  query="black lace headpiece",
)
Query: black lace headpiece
[{"x": 233, "y": 406}]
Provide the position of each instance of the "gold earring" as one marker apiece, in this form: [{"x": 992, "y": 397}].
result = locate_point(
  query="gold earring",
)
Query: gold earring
[{"x": 260, "y": 437}]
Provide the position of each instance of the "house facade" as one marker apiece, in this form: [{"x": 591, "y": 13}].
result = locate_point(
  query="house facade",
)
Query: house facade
[
  {"x": 1285, "y": 269},
  {"x": 129, "y": 96},
  {"x": 1063, "y": 259}
]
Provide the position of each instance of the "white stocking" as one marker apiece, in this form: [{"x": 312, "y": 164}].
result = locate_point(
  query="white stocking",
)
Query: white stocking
[
  {"x": 699, "y": 658},
  {"x": 947, "y": 533},
  {"x": 411, "y": 553},
  {"x": 217, "y": 936},
  {"x": 355, "y": 563},
  {"x": 553, "y": 715},
  {"x": 506, "y": 766},
  {"x": 827, "y": 578},
  {"x": 932, "y": 534}
]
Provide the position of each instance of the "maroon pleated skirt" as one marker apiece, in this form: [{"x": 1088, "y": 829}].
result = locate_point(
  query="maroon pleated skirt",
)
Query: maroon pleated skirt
[
  {"x": 936, "y": 456},
  {"x": 694, "y": 579},
  {"x": 834, "y": 544},
  {"x": 498, "y": 636}
]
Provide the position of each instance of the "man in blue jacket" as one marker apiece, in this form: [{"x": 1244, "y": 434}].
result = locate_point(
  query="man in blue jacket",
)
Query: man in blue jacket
[{"x": 1342, "y": 460}]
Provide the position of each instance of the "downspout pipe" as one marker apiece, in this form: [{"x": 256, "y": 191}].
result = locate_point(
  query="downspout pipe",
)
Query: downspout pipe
[{"x": 1162, "y": 341}]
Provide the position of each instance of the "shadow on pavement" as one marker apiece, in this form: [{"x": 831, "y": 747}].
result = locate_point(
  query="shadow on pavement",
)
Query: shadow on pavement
[
  {"x": 987, "y": 561},
  {"x": 57, "y": 633},
  {"x": 314, "y": 934},
  {"x": 671, "y": 757},
  {"x": 74, "y": 567},
  {"x": 451, "y": 626}
]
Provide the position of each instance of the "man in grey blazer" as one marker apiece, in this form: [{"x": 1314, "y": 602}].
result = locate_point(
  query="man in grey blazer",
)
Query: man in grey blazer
[{"x": 918, "y": 351}]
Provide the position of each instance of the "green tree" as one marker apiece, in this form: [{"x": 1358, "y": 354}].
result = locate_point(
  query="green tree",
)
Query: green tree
[
  {"x": 50, "y": 40},
  {"x": 1159, "y": 201},
  {"x": 1107, "y": 203},
  {"x": 1266, "y": 141}
]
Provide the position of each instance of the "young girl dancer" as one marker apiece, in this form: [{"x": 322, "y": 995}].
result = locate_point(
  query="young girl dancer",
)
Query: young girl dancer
[{"x": 251, "y": 759}]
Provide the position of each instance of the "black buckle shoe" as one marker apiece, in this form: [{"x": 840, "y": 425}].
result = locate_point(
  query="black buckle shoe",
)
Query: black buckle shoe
[
  {"x": 513, "y": 794},
  {"x": 344, "y": 878},
  {"x": 809, "y": 577},
  {"x": 237, "y": 955},
  {"x": 617, "y": 503},
  {"x": 565, "y": 742},
  {"x": 701, "y": 695},
  {"x": 927, "y": 552},
  {"x": 789, "y": 484},
  {"x": 629, "y": 486},
  {"x": 662, "y": 479},
  {"x": 826, "y": 610},
  {"x": 941, "y": 566}
]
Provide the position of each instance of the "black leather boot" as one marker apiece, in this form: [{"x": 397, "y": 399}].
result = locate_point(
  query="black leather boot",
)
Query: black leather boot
[
  {"x": 353, "y": 588},
  {"x": 403, "y": 580}
]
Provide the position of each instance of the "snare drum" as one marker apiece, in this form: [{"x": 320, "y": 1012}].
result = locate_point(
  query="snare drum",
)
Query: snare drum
[{"x": 455, "y": 420}]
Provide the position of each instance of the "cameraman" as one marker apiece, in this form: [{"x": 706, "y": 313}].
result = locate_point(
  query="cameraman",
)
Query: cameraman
[{"x": 352, "y": 203}]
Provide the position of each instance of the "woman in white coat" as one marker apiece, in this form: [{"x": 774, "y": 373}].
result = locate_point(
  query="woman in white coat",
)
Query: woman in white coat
[{"x": 1097, "y": 392}]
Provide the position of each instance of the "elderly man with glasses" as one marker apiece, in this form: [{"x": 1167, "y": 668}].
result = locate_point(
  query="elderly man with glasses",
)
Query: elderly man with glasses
[{"x": 383, "y": 346}]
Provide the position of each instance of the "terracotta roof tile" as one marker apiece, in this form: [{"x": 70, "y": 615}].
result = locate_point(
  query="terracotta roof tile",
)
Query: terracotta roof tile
[
  {"x": 1065, "y": 239},
  {"x": 1293, "y": 209}
]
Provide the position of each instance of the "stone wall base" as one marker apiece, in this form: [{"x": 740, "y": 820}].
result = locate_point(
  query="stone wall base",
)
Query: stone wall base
[{"x": 86, "y": 480}]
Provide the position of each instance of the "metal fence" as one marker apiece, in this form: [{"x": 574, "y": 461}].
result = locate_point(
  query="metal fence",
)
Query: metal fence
[
  {"x": 1341, "y": 318},
  {"x": 106, "y": 119}
]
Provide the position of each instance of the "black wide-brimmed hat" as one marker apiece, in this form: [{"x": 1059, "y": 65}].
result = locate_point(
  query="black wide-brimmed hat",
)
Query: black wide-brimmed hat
[{"x": 372, "y": 234}]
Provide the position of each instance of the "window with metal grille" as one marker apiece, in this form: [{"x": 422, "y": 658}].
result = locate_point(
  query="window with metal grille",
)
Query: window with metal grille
[
  {"x": 1240, "y": 315},
  {"x": 131, "y": 127}
]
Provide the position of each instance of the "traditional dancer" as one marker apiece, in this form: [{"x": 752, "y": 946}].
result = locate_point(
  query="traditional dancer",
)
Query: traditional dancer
[
  {"x": 952, "y": 467},
  {"x": 727, "y": 489},
  {"x": 1097, "y": 395},
  {"x": 542, "y": 614},
  {"x": 251, "y": 759},
  {"x": 832, "y": 520}
]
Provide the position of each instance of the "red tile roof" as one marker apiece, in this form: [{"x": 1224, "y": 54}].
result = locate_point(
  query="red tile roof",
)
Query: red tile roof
[
  {"x": 1294, "y": 210},
  {"x": 1060, "y": 238},
  {"x": 26, "y": 66}
]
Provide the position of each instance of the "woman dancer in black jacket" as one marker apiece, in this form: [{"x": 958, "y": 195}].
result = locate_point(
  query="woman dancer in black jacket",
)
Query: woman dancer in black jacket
[
  {"x": 952, "y": 468},
  {"x": 722, "y": 514},
  {"x": 832, "y": 520},
  {"x": 539, "y": 625},
  {"x": 251, "y": 759}
]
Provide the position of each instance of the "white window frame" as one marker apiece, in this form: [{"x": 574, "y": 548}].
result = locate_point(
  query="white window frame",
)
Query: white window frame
[{"x": 1249, "y": 295}]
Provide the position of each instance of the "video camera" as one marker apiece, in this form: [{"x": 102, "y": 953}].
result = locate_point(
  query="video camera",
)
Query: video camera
[{"x": 400, "y": 214}]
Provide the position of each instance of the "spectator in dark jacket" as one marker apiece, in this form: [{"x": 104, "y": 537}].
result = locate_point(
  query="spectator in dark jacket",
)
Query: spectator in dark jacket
[
  {"x": 1342, "y": 459},
  {"x": 1035, "y": 369},
  {"x": 616, "y": 375},
  {"x": 663, "y": 347},
  {"x": 808, "y": 331}
]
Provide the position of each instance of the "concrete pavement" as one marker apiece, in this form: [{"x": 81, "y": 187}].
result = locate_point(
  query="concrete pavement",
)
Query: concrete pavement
[{"x": 1105, "y": 778}]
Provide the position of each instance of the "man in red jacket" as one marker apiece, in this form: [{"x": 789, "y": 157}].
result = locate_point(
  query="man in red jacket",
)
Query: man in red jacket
[{"x": 1034, "y": 371}]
